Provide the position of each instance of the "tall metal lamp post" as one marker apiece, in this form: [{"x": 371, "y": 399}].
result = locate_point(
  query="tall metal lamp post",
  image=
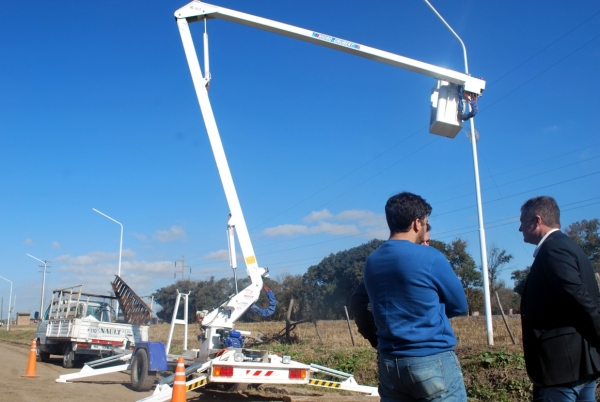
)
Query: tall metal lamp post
[
  {"x": 121, "y": 242},
  {"x": 9, "y": 297},
  {"x": 43, "y": 283},
  {"x": 483, "y": 247}
]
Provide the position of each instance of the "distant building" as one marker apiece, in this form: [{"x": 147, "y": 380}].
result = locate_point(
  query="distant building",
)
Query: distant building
[{"x": 23, "y": 318}]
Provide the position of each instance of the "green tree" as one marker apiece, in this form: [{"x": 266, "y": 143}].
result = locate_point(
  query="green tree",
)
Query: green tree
[
  {"x": 497, "y": 260},
  {"x": 293, "y": 287},
  {"x": 465, "y": 268},
  {"x": 204, "y": 295},
  {"x": 587, "y": 235},
  {"x": 519, "y": 277},
  {"x": 330, "y": 283}
]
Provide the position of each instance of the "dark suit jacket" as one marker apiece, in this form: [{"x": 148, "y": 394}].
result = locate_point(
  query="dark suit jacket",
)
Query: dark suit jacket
[{"x": 560, "y": 315}]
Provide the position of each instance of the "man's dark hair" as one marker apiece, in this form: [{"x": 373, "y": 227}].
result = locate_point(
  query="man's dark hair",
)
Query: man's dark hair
[
  {"x": 402, "y": 209},
  {"x": 544, "y": 206}
]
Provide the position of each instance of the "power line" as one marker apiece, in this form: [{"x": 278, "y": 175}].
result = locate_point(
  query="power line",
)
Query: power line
[
  {"x": 524, "y": 192},
  {"x": 435, "y": 215},
  {"x": 518, "y": 88},
  {"x": 543, "y": 49},
  {"x": 522, "y": 178},
  {"x": 421, "y": 129}
]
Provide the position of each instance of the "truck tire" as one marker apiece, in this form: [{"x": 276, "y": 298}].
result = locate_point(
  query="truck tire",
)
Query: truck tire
[
  {"x": 141, "y": 378},
  {"x": 39, "y": 355},
  {"x": 68, "y": 356}
]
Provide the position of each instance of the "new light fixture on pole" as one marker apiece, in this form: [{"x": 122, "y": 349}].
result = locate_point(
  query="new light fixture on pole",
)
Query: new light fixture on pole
[
  {"x": 43, "y": 283},
  {"x": 9, "y": 297},
  {"x": 121, "y": 242},
  {"x": 483, "y": 250}
]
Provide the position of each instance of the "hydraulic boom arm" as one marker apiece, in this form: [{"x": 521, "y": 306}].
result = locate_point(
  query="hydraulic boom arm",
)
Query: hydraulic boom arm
[
  {"x": 196, "y": 11},
  {"x": 227, "y": 314}
]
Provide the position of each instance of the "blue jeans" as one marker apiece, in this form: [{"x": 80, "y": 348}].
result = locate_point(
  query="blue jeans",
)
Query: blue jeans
[
  {"x": 430, "y": 378},
  {"x": 578, "y": 393}
]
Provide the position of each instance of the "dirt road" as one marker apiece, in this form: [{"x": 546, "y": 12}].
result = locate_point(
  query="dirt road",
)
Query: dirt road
[{"x": 111, "y": 387}]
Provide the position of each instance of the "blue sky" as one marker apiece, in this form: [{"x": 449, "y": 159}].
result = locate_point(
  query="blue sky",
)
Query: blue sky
[{"x": 98, "y": 111}]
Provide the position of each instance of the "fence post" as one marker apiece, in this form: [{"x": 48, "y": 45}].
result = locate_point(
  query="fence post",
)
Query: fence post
[
  {"x": 288, "y": 323},
  {"x": 504, "y": 318},
  {"x": 349, "y": 327},
  {"x": 318, "y": 333}
]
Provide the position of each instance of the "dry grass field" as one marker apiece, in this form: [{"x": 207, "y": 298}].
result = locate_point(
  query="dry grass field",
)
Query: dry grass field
[{"x": 470, "y": 332}]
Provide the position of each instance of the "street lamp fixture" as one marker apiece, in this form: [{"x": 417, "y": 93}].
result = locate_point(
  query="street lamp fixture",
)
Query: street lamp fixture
[{"x": 121, "y": 242}]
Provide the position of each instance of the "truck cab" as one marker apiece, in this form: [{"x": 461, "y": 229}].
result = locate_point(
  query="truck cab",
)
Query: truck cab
[{"x": 83, "y": 326}]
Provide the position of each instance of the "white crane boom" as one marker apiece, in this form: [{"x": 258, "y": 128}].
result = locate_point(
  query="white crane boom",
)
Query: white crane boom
[
  {"x": 448, "y": 82},
  {"x": 197, "y": 11},
  {"x": 227, "y": 314}
]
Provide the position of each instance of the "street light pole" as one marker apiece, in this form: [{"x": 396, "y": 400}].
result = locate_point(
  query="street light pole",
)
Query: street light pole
[
  {"x": 43, "y": 283},
  {"x": 482, "y": 244},
  {"x": 9, "y": 297},
  {"x": 121, "y": 242}
]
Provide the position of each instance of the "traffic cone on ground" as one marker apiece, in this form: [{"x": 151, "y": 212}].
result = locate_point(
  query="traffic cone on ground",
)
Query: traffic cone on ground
[
  {"x": 179, "y": 382},
  {"x": 31, "y": 363}
]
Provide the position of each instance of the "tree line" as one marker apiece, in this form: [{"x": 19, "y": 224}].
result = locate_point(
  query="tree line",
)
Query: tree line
[{"x": 323, "y": 291}]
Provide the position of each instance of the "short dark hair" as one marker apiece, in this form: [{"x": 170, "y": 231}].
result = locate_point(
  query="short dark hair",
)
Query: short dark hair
[
  {"x": 544, "y": 206},
  {"x": 402, "y": 209}
]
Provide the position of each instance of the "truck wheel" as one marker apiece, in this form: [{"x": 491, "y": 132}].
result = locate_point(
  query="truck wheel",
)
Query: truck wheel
[
  {"x": 68, "y": 357},
  {"x": 141, "y": 378},
  {"x": 39, "y": 355}
]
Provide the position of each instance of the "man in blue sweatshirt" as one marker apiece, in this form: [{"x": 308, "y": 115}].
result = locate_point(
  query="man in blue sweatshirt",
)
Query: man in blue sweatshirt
[{"x": 413, "y": 292}]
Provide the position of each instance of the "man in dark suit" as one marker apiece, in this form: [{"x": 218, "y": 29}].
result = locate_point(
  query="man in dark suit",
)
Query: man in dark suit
[{"x": 560, "y": 311}]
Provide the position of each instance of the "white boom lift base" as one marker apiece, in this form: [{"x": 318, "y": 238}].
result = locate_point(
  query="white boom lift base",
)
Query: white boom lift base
[
  {"x": 231, "y": 366},
  {"x": 88, "y": 370}
]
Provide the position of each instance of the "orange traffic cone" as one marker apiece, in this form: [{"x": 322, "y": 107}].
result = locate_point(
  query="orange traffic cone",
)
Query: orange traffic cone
[
  {"x": 31, "y": 363},
  {"x": 179, "y": 389}
]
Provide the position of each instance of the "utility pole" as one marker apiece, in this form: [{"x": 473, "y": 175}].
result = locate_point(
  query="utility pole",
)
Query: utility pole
[
  {"x": 482, "y": 244},
  {"x": 183, "y": 267},
  {"x": 14, "y": 309},
  {"x": 9, "y": 297},
  {"x": 45, "y": 262}
]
